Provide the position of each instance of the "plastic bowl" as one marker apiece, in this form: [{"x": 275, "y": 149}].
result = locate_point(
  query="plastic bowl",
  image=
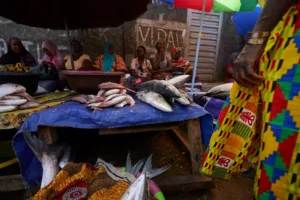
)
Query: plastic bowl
[
  {"x": 29, "y": 80},
  {"x": 87, "y": 81}
]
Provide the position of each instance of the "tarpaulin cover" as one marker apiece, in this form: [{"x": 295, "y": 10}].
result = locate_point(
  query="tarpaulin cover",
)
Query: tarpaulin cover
[
  {"x": 214, "y": 106},
  {"x": 76, "y": 115}
]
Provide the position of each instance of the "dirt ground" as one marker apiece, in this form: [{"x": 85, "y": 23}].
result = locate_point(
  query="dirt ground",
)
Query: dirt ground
[{"x": 166, "y": 149}]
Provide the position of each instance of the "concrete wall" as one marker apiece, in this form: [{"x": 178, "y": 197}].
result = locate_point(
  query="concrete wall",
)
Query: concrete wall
[{"x": 160, "y": 21}]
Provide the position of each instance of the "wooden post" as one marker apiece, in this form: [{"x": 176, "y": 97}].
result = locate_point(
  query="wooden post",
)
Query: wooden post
[
  {"x": 47, "y": 134},
  {"x": 195, "y": 143}
]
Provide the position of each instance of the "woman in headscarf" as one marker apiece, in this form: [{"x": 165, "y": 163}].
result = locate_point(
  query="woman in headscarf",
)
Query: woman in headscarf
[
  {"x": 81, "y": 61},
  {"x": 140, "y": 66},
  {"x": 259, "y": 125},
  {"x": 17, "y": 58},
  {"x": 179, "y": 63},
  {"x": 110, "y": 61},
  {"x": 53, "y": 56},
  {"x": 161, "y": 62}
]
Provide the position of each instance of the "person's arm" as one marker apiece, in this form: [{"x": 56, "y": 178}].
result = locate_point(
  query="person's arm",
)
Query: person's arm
[
  {"x": 86, "y": 65},
  {"x": 97, "y": 65},
  {"x": 246, "y": 65}
]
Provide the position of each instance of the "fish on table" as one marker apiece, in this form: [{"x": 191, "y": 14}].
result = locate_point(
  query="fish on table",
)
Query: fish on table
[
  {"x": 179, "y": 81},
  {"x": 162, "y": 87},
  {"x": 154, "y": 99},
  {"x": 10, "y": 88}
]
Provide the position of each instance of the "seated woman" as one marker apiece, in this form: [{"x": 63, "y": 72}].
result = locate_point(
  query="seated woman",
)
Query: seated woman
[
  {"x": 110, "y": 61},
  {"x": 141, "y": 67},
  {"x": 81, "y": 61},
  {"x": 17, "y": 58},
  {"x": 179, "y": 63},
  {"x": 52, "y": 62},
  {"x": 161, "y": 62}
]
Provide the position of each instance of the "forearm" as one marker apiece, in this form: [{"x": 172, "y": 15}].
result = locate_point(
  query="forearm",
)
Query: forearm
[{"x": 272, "y": 13}]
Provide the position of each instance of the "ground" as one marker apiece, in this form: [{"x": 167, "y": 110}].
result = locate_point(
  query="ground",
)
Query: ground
[{"x": 166, "y": 149}]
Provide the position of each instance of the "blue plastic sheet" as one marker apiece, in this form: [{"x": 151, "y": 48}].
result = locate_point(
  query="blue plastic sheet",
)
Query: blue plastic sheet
[{"x": 76, "y": 115}]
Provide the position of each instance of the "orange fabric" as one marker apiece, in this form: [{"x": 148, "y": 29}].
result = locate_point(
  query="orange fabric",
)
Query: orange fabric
[{"x": 119, "y": 63}]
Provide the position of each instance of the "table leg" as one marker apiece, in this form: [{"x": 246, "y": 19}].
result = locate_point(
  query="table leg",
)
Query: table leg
[
  {"x": 47, "y": 134},
  {"x": 195, "y": 143}
]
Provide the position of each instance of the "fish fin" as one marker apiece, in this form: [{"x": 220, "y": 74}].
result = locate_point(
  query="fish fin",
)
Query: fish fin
[
  {"x": 137, "y": 167},
  {"x": 35, "y": 144},
  {"x": 128, "y": 163},
  {"x": 66, "y": 158},
  {"x": 155, "y": 172},
  {"x": 148, "y": 165}
]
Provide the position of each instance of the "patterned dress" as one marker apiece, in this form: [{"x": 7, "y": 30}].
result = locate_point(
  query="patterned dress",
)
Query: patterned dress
[{"x": 260, "y": 127}]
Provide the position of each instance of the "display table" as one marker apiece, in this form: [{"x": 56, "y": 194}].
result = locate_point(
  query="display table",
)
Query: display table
[{"x": 191, "y": 123}]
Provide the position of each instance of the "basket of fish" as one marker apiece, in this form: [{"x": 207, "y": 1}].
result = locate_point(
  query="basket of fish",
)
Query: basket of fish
[{"x": 161, "y": 94}]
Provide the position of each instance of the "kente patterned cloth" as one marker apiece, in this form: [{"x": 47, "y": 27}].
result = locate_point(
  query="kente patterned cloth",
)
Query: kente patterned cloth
[
  {"x": 83, "y": 181},
  {"x": 14, "y": 119},
  {"x": 260, "y": 127}
]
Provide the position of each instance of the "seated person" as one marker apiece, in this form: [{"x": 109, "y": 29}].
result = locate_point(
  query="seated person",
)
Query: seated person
[
  {"x": 141, "y": 67},
  {"x": 161, "y": 62},
  {"x": 110, "y": 61},
  {"x": 17, "y": 58},
  {"x": 179, "y": 63},
  {"x": 81, "y": 61},
  {"x": 52, "y": 62},
  {"x": 229, "y": 67}
]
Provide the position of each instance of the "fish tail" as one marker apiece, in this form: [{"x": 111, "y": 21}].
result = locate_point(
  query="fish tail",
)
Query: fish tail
[{"x": 35, "y": 144}]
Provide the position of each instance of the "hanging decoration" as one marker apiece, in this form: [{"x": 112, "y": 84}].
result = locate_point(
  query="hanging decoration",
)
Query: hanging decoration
[{"x": 215, "y": 5}]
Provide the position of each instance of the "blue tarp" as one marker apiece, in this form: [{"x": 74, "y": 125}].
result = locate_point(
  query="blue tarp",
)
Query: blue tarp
[{"x": 76, "y": 115}]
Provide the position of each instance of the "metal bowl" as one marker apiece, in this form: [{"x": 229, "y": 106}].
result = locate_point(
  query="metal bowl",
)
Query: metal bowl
[
  {"x": 29, "y": 80},
  {"x": 87, "y": 81}
]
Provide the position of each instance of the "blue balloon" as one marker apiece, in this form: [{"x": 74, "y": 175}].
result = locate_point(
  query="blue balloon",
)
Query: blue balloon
[
  {"x": 171, "y": 2},
  {"x": 245, "y": 21}
]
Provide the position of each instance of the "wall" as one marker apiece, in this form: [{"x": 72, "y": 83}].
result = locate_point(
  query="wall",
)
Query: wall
[{"x": 160, "y": 21}]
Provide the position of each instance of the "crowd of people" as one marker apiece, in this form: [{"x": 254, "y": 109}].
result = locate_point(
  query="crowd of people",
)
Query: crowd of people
[{"x": 162, "y": 65}]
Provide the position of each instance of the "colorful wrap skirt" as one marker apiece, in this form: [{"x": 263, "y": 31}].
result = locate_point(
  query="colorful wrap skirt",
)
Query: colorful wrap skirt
[{"x": 260, "y": 127}]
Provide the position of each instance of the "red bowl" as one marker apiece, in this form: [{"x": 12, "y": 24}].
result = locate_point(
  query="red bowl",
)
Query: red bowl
[{"x": 87, "y": 81}]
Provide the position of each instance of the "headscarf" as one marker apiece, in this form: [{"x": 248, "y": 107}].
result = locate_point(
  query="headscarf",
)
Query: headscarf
[
  {"x": 175, "y": 50},
  {"x": 108, "y": 59},
  {"x": 57, "y": 57},
  {"x": 23, "y": 57}
]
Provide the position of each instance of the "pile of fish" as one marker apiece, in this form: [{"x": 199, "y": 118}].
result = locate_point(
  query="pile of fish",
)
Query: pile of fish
[
  {"x": 14, "y": 97},
  {"x": 110, "y": 94},
  {"x": 160, "y": 94}
]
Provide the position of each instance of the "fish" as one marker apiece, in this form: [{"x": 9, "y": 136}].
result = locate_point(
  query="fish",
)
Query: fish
[
  {"x": 111, "y": 97},
  {"x": 109, "y": 86},
  {"x": 154, "y": 99},
  {"x": 162, "y": 87},
  {"x": 220, "y": 90},
  {"x": 100, "y": 93},
  {"x": 49, "y": 156},
  {"x": 26, "y": 96},
  {"x": 123, "y": 91},
  {"x": 184, "y": 98},
  {"x": 29, "y": 105},
  {"x": 140, "y": 189},
  {"x": 10, "y": 97},
  {"x": 179, "y": 81},
  {"x": 121, "y": 105},
  {"x": 7, "y": 108},
  {"x": 80, "y": 99},
  {"x": 10, "y": 88},
  {"x": 130, "y": 101},
  {"x": 112, "y": 91},
  {"x": 15, "y": 102},
  {"x": 112, "y": 102},
  {"x": 95, "y": 100}
]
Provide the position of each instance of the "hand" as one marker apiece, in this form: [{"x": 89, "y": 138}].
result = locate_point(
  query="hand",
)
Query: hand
[
  {"x": 50, "y": 64},
  {"x": 245, "y": 66}
]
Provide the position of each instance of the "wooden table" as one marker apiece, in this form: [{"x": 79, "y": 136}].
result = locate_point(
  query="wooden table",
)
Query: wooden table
[{"x": 188, "y": 132}]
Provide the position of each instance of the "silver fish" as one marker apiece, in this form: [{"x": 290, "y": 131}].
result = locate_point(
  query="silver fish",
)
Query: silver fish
[
  {"x": 95, "y": 100},
  {"x": 100, "y": 93},
  {"x": 49, "y": 156},
  {"x": 184, "y": 98},
  {"x": 130, "y": 100},
  {"x": 112, "y": 91},
  {"x": 29, "y": 105},
  {"x": 10, "y": 88},
  {"x": 220, "y": 90},
  {"x": 7, "y": 108},
  {"x": 111, "y": 97},
  {"x": 113, "y": 101},
  {"x": 15, "y": 102},
  {"x": 10, "y": 97},
  {"x": 179, "y": 81},
  {"x": 121, "y": 105},
  {"x": 162, "y": 87},
  {"x": 154, "y": 99},
  {"x": 25, "y": 96},
  {"x": 80, "y": 99},
  {"x": 140, "y": 189}
]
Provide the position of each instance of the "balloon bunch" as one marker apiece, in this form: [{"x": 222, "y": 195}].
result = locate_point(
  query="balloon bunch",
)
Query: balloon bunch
[{"x": 215, "y": 5}]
